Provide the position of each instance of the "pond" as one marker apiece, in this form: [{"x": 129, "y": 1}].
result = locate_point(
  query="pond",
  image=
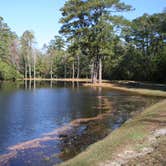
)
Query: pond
[{"x": 47, "y": 123}]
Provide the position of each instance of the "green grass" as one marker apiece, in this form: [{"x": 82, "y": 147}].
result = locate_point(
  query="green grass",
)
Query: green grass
[{"x": 130, "y": 133}]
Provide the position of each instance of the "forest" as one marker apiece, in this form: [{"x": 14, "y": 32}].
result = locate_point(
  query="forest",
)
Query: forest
[{"x": 95, "y": 41}]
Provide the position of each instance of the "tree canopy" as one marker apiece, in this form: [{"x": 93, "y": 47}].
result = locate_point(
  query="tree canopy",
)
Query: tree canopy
[{"x": 95, "y": 42}]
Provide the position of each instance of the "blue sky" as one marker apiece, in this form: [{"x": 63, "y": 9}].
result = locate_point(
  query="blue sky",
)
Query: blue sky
[{"x": 42, "y": 16}]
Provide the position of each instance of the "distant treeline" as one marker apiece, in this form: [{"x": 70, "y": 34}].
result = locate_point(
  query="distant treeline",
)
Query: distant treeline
[{"x": 95, "y": 43}]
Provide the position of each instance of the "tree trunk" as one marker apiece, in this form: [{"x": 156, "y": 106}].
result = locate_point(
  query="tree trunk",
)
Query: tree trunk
[
  {"x": 51, "y": 72},
  {"x": 73, "y": 70},
  {"x": 92, "y": 68},
  {"x": 65, "y": 71},
  {"x": 34, "y": 66},
  {"x": 34, "y": 73},
  {"x": 65, "y": 66},
  {"x": 100, "y": 70},
  {"x": 25, "y": 71},
  {"x": 30, "y": 76},
  {"x": 94, "y": 72},
  {"x": 78, "y": 66}
]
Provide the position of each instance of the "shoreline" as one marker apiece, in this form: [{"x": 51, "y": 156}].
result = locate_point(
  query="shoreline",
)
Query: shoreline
[
  {"x": 58, "y": 79},
  {"x": 134, "y": 140},
  {"x": 136, "y": 90},
  {"x": 138, "y": 87}
]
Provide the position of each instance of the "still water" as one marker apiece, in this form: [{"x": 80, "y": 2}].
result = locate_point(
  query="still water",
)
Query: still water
[{"x": 48, "y": 123}]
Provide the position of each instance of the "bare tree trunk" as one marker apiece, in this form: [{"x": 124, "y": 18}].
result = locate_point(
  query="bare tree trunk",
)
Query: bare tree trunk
[
  {"x": 65, "y": 70},
  {"x": 73, "y": 70},
  {"x": 94, "y": 73},
  {"x": 51, "y": 72},
  {"x": 34, "y": 73},
  {"x": 25, "y": 71},
  {"x": 92, "y": 68},
  {"x": 25, "y": 76},
  {"x": 100, "y": 70},
  {"x": 34, "y": 66},
  {"x": 30, "y": 76},
  {"x": 29, "y": 64},
  {"x": 78, "y": 66},
  {"x": 94, "y": 77}
]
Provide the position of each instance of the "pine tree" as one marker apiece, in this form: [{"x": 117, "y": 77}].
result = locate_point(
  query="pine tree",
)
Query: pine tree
[{"x": 90, "y": 22}]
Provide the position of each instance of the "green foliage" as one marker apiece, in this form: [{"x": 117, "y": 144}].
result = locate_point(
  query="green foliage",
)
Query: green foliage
[
  {"x": 6, "y": 39},
  {"x": 98, "y": 40},
  {"x": 27, "y": 53},
  {"x": 8, "y": 53},
  {"x": 8, "y": 73},
  {"x": 147, "y": 33},
  {"x": 90, "y": 24},
  {"x": 143, "y": 54},
  {"x": 159, "y": 69}
]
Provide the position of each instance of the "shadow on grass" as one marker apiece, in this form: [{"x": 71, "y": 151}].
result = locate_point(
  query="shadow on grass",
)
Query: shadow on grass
[
  {"x": 140, "y": 85},
  {"x": 158, "y": 118}
]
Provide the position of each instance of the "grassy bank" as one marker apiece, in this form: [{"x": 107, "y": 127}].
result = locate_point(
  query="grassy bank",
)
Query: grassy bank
[{"x": 132, "y": 134}]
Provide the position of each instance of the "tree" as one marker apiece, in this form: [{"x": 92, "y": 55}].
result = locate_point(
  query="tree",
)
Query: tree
[
  {"x": 14, "y": 57},
  {"x": 85, "y": 22},
  {"x": 9, "y": 58},
  {"x": 54, "y": 51},
  {"x": 7, "y": 38},
  {"x": 27, "y": 40},
  {"x": 147, "y": 33}
]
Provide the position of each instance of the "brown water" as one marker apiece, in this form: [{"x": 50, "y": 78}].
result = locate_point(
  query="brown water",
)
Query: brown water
[{"x": 49, "y": 122}]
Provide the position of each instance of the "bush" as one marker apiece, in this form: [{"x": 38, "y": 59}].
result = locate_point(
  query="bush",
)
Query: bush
[{"x": 8, "y": 72}]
